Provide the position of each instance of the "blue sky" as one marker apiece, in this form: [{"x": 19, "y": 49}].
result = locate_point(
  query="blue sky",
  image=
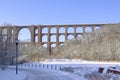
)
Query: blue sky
[{"x": 27, "y": 12}]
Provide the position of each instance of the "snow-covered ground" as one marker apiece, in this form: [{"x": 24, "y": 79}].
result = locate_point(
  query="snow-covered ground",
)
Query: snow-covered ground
[
  {"x": 9, "y": 74},
  {"x": 57, "y": 70},
  {"x": 33, "y": 74}
]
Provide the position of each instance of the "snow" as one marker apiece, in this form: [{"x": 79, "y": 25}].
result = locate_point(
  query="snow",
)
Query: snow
[
  {"x": 9, "y": 74},
  {"x": 53, "y": 68}
]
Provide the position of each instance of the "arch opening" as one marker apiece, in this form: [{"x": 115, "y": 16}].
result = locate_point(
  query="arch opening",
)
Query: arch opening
[
  {"x": 61, "y": 44},
  {"x": 44, "y": 38},
  {"x": 45, "y": 30},
  {"x": 45, "y": 45},
  {"x": 70, "y": 36},
  {"x": 4, "y": 31},
  {"x": 36, "y": 31},
  {"x": 36, "y": 38},
  {"x": 53, "y": 38},
  {"x": 97, "y": 28},
  {"x": 70, "y": 30},
  {"x": 53, "y": 30},
  {"x": 61, "y": 38},
  {"x": 24, "y": 35},
  {"x": 79, "y": 30},
  {"x": 61, "y": 30},
  {"x": 79, "y": 36},
  {"x": 88, "y": 29},
  {"x": 53, "y": 45}
]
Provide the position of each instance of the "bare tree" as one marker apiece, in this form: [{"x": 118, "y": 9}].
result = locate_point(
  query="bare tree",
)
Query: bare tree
[{"x": 7, "y": 46}]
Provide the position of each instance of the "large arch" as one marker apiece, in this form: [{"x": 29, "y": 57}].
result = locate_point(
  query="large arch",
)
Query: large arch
[{"x": 24, "y": 35}]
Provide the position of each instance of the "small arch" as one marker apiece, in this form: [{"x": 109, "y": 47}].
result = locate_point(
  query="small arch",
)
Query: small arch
[
  {"x": 12, "y": 32},
  {"x": 45, "y": 45},
  {"x": 53, "y": 30},
  {"x": 79, "y": 30},
  {"x": 62, "y": 38},
  {"x": 88, "y": 29},
  {"x": 45, "y": 30},
  {"x": 53, "y": 45},
  {"x": 70, "y": 37},
  {"x": 79, "y": 36},
  {"x": 53, "y": 38},
  {"x": 4, "y": 31},
  {"x": 70, "y": 30},
  {"x": 36, "y": 31},
  {"x": 96, "y": 27},
  {"x": 61, "y": 30},
  {"x": 24, "y": 35},
  {"x": 44, "y": 38},
  {"x": 36, "y": 38},
  {"x": 61, "y": 44}
]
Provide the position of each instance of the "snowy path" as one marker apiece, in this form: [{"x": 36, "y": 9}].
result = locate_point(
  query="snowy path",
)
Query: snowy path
[{"x": 45, "y": 75}]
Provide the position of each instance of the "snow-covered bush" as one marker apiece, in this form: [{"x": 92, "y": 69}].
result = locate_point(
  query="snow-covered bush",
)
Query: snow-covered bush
[{"x": 99, "y": 76}]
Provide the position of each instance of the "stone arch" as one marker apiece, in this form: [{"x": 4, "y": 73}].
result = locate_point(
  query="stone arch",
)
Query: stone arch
[
  {"x": 44, "y": 38},
  {"x": 36, "y": 38},
  {"x": 61, "y": 38},
  {"x": 79, "y": 29},
  {"x": 24, "y": 35},
  {"x": 88, "y": 29},
  {"x": 61, "y": 30},
  {"x": 45, "y": 30},
  {"x": 45, "y": 45},
  {"x": 53, "y": 45},
  {"x": 53, "y": 30},
  {"x": 36, "y": 31},
  {"x": 61, "y": 44},
  {"x": 4, "y": 31},
  {"x": 70, "y": 30},
  {"x": 96, "y": 27},
  {"x": 53, "y": 38},
  {"x": 79, "y": 36},
  {"x": 70, "y": 37}
]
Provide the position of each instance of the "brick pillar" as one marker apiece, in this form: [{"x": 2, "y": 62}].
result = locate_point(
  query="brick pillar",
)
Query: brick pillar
[
  {"x": 92, "y": 28},
  {"x": 75, "y": 35},
  {"x": 39, "y": 34},
  {"x": 57, "y": 36},
  {"x": 66, "y": 28},
  {"x": 83, "y": 28},
  {"x": 1, "y": 30},
  {"x": 15, "y": 32},
  {"x": 32, "y": 34},
  {"x": 48, "y": 44}
]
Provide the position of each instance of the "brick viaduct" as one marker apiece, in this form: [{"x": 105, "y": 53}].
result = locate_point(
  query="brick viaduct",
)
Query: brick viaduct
[{"x": 57, "y": 31}]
